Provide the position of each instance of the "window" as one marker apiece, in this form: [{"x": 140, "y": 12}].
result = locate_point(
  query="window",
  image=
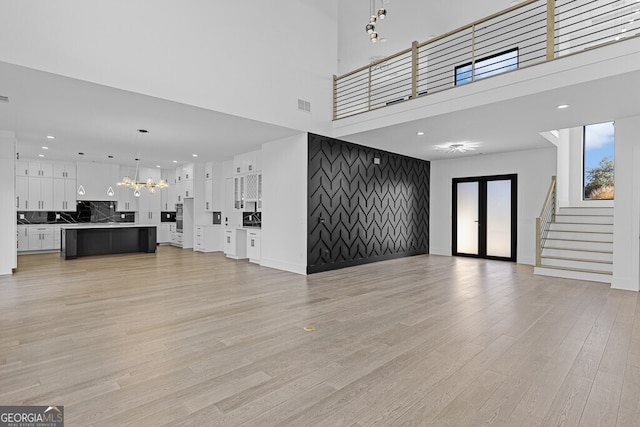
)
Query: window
[
  {"x": 486, "y": 67},
  {"x": 598, "y": 162}
]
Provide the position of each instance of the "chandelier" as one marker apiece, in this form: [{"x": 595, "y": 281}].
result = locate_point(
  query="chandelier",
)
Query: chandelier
[
  {"x": 135, "y": 183},
  {"x": 370, "y": 28}
]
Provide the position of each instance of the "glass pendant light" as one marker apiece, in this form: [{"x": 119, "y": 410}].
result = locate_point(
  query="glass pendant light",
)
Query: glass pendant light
[
  {"x": 81, "y": 191},
  {"x": 110, "y": 192}
]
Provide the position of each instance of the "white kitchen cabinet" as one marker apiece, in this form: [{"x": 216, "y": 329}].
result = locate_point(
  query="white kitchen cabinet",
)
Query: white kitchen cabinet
[
  {"x": 40, "y": 194},
  {"x": 167, "y": 195},
  {"x": 148, "y": 217},
  {"x": 208, "y": 195},
  {"x": 188, "y": 189},
  {"x": 206, "y": 238},
  {"x": 187, "y": 172},
  {"x": 41, "y": 238},
  {"x": 22, "y": 192},
  {"x": 164, "y": 233},
  {"x": 40, "y": 169},
  {"x": 254, "y": 250},
  {"x": 176, "y": 239},
  {"x": 247, "y": 162},
  {"x": 22, "y": 168},
  {"x": 64, "y": 194},
  {"x": 23, "y": 238},
  {"x": 64, "y": 170},
  {"x": 180, "y": 192},
  {"x": 126, "y": 201},
  {"x": 235, "y": 243}
]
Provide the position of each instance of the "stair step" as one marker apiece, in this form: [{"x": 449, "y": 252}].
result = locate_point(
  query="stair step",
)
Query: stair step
[
  {"x": 585, "y": 211},
  {"x": 581, "y": 226},
  {"x": 573, "y": 253},
  {"x": 587, "y": 236},
  {"x": 579, "y": 244},
  {"x": 594, "y": 219},
  {"x": 578, "y": 264},
  {"x": 571, "y": 273}
]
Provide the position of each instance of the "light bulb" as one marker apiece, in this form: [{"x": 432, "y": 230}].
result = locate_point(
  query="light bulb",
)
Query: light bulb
[
  {"x": 370, "y": 28},
  {"x": 373, "y": 19},
  {"x": 81, "y": 191},
  {"x": 110, "y": 192},
  {"x": 136, "y": 193},
  {"x": 382, "y": 13}
]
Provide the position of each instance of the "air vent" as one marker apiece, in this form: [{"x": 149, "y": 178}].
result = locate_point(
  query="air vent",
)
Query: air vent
[
  {"x": 304, "y": 105},
  {"x": 4, "y": 98}
]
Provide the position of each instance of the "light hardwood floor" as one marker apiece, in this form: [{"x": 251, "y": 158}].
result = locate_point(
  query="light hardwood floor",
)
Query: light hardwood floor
[{"x": 190, "y": 339}]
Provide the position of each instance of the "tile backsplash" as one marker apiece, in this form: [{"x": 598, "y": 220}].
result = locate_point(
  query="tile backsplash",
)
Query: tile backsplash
[{"x": 86, "y": 211}]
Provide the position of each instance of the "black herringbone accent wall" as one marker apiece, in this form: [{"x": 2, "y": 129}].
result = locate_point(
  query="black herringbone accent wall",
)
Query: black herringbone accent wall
[{"x": 362, "y": 212}]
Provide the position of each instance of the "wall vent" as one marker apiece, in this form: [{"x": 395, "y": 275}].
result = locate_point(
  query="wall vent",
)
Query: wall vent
[
  {"x": 4, "y": 98},
  {"x": 304, "y": 105}
]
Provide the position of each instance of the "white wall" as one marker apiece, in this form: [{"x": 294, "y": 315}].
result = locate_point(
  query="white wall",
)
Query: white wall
[
  {"x": 284, "y": 213},
  {"x": 250, "y": 59},
  {"x": 626, "y": 212},
  {"x": 8, "y": 251},
  {"x": 534, "y": 169}
]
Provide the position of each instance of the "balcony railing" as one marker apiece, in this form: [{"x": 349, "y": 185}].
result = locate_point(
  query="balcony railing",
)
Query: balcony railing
[{"x": 529, "y": 33}]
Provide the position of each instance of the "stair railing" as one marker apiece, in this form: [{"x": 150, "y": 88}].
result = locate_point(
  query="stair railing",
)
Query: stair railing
[{"x": 543, "y": 222}]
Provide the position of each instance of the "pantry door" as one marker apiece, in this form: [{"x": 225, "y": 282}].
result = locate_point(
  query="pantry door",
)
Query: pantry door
[{"x": 485, "y": 217}]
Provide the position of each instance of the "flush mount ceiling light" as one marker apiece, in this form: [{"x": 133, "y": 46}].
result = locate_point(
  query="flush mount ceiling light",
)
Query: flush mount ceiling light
[
  {"x": 381, "y": 14},
  {"x": 136, "y": 184},
  {"x": 456, "y": 147}
]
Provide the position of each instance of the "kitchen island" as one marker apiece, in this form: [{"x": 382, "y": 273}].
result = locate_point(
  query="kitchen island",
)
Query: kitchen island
[{"x": 101, "y": 239}]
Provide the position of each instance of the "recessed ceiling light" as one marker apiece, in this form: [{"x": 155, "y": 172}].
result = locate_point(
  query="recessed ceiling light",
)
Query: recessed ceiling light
[
  {"x": 175, "y": 161},
  {"x": 563, "y": 106},
  {"x": 45, "y": 148},
  {"x": 40, "y": 155},
  {"x": 420, "y": 133},
  {"x": 51, "y": 137},
  {"x": 157, "y": 166},
  {"x": 194, "y": 155}
]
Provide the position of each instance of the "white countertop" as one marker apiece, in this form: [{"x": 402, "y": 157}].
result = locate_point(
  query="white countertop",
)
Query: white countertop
[{"x": 107, "y": 225}]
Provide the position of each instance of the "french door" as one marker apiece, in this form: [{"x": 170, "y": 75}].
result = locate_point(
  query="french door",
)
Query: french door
[{"x": 485, "y": 217}]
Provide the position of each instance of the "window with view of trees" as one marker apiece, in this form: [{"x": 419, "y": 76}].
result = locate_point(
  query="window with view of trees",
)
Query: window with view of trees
[{"x": 598, "y": 149}]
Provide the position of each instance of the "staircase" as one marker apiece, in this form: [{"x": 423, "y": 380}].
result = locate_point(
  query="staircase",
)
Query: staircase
[{"x": 579, "y": 245}]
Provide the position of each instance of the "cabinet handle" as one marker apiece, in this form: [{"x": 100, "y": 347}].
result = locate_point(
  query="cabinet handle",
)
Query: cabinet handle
[
  {"x": 252, "y": 245},
  {"x": 26, "y": 204},
  {"x": 18, "y": 202}
]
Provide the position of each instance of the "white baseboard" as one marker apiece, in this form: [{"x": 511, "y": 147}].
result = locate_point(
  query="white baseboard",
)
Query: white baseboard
[{"x": 286, "y": 266}]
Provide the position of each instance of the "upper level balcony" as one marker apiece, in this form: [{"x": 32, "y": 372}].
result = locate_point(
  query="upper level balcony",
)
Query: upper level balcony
[{"x": 530, "y": 33}]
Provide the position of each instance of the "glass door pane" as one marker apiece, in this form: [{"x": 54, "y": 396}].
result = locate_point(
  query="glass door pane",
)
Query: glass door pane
[
  {"x": 467, "y": 217},
  {"x": 499, "y": 218}
]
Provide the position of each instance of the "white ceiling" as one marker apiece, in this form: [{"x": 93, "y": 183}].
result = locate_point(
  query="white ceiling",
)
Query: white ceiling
[{"x": 101, "y": 121}]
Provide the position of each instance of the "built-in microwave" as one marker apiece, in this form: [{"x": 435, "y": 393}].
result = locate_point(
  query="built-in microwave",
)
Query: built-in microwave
[{"x": 179, "y": 217}]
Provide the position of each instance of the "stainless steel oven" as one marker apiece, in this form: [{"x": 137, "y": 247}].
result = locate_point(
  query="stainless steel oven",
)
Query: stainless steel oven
[{"x": 179, "y": 217}]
